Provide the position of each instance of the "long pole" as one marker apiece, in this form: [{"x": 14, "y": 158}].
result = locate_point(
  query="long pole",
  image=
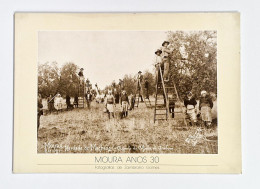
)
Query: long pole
[{"x": 53, "y": 98}]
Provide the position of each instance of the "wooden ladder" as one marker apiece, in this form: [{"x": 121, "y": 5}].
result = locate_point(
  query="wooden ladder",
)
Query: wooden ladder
[
  {"x": 81, "y": 95},
  {"x": 161, "y": 110},
  {"x": 183, "y": 116},
  {"x": 139, "y": 92}
]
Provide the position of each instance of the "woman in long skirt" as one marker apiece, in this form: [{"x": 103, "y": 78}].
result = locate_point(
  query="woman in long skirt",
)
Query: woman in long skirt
[{"x": 205, "y": 107}]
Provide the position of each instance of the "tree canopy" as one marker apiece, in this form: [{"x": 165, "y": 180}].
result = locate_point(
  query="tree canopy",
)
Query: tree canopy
[{"x": 193, "y": 61}]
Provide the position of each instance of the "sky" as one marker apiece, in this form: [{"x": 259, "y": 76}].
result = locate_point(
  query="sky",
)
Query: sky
[{"x": 104, "y": 55}]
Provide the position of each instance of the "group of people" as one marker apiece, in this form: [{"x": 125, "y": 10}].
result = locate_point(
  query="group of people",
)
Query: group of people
[
  {"x": 126, "y": 103},
  {"x": 202, "y": 110}
]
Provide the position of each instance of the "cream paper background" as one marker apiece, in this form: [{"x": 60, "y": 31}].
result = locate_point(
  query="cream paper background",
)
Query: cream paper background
[{"x": 27, "y": 25}]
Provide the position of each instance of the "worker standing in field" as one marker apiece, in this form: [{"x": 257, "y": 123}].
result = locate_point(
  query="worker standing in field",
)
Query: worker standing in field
[
  {"x": 124, "y": 103},
  {"x": 190, "y": 104},
  {"x": 110, "y": 104},
  {"x": 205, "y": 106}
]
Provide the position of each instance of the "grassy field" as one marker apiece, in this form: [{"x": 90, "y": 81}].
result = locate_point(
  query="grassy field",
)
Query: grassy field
[{"x": 90, "y": 131}]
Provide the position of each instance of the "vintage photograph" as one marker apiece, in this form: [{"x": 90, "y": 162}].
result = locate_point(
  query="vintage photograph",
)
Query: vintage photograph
[{"x": 127, "y": 92}]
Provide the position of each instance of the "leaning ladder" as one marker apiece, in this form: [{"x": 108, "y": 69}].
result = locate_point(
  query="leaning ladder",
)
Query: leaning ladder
[
  {"x": 138, "y": 96},
  {"x": 81, "y": 95},
  {"x": 161, "y": 111}
]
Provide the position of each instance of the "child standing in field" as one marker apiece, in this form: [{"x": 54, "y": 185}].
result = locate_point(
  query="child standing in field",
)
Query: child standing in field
[
  {"x": 205, "y": 107},
  {"x": 190, "y": 104},
  {"x": 110, "y": 103}
]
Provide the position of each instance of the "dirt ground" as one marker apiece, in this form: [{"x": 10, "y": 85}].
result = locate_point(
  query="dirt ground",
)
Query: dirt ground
[{"x": 90, "y": 131}]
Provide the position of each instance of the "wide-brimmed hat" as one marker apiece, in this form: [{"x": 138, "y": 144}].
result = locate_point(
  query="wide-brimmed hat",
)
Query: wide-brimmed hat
[
  {"x": 81, "y": 68},
  {"x": 165, "y": 42},
  {"x": 139, "y": 72},
  {"x": 158, "y": 50}
]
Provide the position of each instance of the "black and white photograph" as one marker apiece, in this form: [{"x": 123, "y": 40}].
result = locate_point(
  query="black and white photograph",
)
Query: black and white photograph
[{"x": 127, "y": 92}]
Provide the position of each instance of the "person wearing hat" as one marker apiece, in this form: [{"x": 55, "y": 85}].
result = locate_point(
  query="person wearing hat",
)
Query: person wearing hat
[
  {"x": 124, "y": 103},
  {"x": 190, "y": 104},
  {"x": 81, "y": 76},
  {"x": 110, "y": 103},
  {"x": 158, "y": 64},
  {"x": 205, "y": 106},
  {"x": 166, "y": 59}
]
